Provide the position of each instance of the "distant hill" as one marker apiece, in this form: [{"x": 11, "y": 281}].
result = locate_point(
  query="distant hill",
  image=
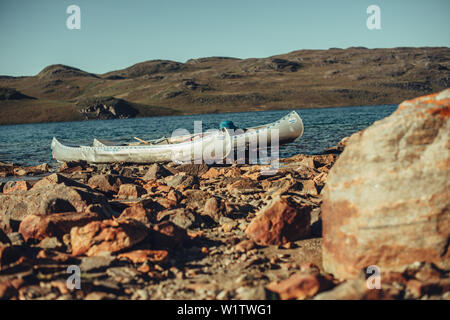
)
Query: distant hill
[
  {"x": 299, "y": 79},
  {"x": 147, "y": 68},
  {"x": 59, "y": 71}
]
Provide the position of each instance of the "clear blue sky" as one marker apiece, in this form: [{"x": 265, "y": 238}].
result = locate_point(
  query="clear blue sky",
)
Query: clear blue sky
[{"x": 116, "y": 34}]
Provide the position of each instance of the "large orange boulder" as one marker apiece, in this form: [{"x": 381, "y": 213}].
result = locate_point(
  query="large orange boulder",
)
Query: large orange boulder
[{"x": 387, "y": 198}]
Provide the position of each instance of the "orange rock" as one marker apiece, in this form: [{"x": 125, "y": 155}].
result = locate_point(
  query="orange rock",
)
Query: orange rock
[
  {"x": 201, "y": 286},
  {"x": 72, "y": 166},
  {"x": 287, "y": 245},
  {"x": 300, "y": 286},
  {"x": 64, "y": 169},
  {"x": 20, "y": 171},
  {"x": 205, "y": 250},
  {"x": 245, "y": 246},
  {"x": 164, "y": 188},
  {"x": 153, "y": 186},
  {"x": 386, "y": 201},
  {"x": 141, "y": 256},
  {"x": 56, "y": 178},
  {"x": 233, "y": 172},
  {"x": 145, "y": 268},
  {"x": 104, "y": 182},
  {"x": 106, "y": 236},
  {"x": 156, "y": 171},
  {"x": 138, "y": 213},
  {"x": 242, "y": 184},
  {"x": 39, "y": 169},
  {"x": 182, "y": 217},
  {"x": 227, "y": 227},
  {"x": 354, "y": 289},
  {"x": 253, "y": 176},
  {"x": 174, "y": 195},
  {"x": 212, "y": 208},
  {"x": 60, "y": 285},
  {"x": 54, "y": 225},
  {"x": 212, "y": 173},
  {"x": 321, "y": 178},
  {"x": 195, "y": 234},
  {"x": 130, "y": 191},
  {"x": 49, "y": 199},
  {"x": 12, "y": 186},
  {"x": 323, "y": 169},
  {"x": 280, "y": 222},
  {"x": 265, "y": 184},
  {"x": 193, "y": 169},
  {"x": 167, "y": 203}
]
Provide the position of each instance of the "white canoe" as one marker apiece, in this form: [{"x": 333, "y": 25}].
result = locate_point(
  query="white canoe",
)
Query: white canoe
[
  {"x": 287, "y": 129},
  {"x": 194, "y": 147},
  {"x": 210, "y": 148}
]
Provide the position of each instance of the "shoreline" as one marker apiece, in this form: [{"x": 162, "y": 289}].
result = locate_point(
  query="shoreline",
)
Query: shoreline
[
  {"x": 177, "y": 215},
  {"x": 10, "y": 171},
  {"x": 167, "y": 231}
]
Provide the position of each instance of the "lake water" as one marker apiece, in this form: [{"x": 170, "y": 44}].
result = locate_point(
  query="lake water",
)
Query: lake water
[{"x": 29, "y": 144}]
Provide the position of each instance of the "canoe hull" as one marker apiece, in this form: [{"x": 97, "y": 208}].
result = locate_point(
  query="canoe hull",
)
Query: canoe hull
[{"x": 212, "y": 148}]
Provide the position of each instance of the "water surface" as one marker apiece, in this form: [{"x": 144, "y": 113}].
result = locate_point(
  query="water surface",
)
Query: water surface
[{"x": 29, "y": 144}]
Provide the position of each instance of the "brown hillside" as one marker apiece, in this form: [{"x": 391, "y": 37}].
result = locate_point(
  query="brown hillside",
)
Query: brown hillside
[{"x": 299, "y": 79}]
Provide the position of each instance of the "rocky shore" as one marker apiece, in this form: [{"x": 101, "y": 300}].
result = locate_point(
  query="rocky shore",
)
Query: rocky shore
[{"x": 167, "y": 231}]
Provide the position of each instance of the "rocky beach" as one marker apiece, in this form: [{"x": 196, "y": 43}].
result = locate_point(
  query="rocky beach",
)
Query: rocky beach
[{"x": 195, "y": 231}]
